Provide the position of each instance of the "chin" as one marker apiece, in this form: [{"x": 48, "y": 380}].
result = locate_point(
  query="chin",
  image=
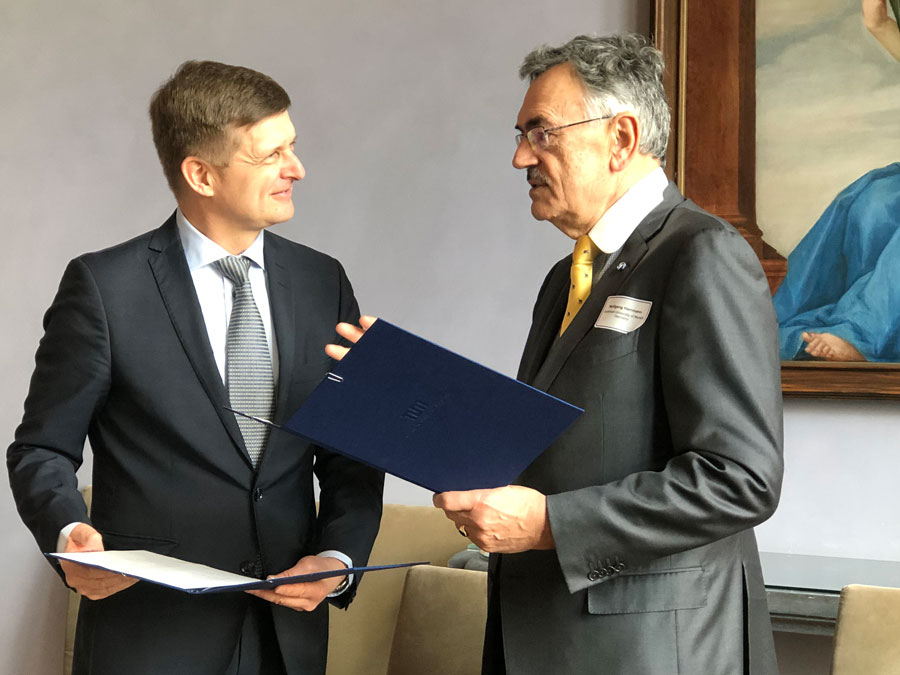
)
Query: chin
[
  {"x": 539, "y": 212},
  {"x": 282, "y": 215}
]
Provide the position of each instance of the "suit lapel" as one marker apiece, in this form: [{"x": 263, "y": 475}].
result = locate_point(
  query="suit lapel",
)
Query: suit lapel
[
  {"x": 173, "y": 278},
  {"x": 283, "y": 304},
  {"x": 609, "y": 284},
  {"x": 546, "y": 325}
]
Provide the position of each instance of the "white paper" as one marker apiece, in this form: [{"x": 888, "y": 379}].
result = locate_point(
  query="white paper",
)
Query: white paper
[
  {"x": 623, "y": 314},
  {"x": 197, "y": 578},
  {"x": 160, "y": 569}
]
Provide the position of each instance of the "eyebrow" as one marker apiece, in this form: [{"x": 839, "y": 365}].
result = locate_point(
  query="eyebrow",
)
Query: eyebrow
[{"x": 537, "y": 121}]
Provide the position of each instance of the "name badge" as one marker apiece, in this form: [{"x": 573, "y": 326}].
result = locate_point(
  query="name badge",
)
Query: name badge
[{"x": 623, "y": 314}]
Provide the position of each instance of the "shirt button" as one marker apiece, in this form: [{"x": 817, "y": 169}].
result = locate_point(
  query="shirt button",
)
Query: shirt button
[{"x": 257, "y": 495}]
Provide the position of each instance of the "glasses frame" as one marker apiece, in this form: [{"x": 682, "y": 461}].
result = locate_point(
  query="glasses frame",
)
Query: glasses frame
[{"x": 522, "y": 135}]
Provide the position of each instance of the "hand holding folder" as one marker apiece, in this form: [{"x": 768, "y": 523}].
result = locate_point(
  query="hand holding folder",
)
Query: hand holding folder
[
  {"x": 418, "y": 411},
  {"x": 93, "y": 583},
  {"x": 350, "y": 333}
]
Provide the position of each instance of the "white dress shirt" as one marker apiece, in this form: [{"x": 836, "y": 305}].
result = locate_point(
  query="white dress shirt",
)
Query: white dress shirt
[
  {"x": 622, "y": 218},
  {"x": 215, "y": 291}
]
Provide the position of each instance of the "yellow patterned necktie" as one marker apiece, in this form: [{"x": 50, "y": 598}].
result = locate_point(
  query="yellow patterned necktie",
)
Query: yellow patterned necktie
[{"x": 582, "y": 270}]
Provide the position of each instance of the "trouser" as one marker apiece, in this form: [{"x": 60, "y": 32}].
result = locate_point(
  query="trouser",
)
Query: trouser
[{"x": 257, "y": 651}]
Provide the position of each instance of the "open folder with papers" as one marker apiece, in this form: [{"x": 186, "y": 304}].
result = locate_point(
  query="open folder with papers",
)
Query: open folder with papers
[
  {"x": 434, "y": 418},
  {"x": 194, "y": 577}
]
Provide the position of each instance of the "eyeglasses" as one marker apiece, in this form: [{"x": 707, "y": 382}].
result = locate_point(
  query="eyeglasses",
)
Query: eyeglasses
[{"x": 539, "y": 137}]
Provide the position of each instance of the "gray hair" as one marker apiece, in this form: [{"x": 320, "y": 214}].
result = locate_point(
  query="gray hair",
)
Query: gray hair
[{"x": 620, "y": 72}]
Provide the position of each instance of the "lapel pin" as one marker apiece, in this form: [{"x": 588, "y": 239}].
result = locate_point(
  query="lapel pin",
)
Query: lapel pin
[{"x": 621, "y": 266}]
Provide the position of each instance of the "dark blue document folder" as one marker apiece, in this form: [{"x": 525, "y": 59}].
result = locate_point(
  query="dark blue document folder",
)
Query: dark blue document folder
[{"x": 420, "y": 412}]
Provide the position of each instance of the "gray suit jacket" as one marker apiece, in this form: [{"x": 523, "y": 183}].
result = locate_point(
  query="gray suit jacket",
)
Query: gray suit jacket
[
  {"x": 653, "y": 492},
  {"x": 126, "y": 360}
]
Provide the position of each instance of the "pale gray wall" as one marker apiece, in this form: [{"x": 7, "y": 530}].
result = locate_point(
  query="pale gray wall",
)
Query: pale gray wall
[{"x": 404, "y": 112}]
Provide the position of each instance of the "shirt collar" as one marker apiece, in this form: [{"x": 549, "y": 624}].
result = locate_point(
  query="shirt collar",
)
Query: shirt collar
[
  {"x": 200, "y": 250},
  {"x": 622, "y": 218}
]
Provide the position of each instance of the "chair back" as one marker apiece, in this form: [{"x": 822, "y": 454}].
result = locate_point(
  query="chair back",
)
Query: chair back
[
  {"x": 440, "y": 625},
  {"x": 867, "y": 635}
]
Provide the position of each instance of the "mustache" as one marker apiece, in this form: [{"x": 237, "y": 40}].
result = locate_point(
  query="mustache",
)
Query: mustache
[{"x": 535, "y": 177}]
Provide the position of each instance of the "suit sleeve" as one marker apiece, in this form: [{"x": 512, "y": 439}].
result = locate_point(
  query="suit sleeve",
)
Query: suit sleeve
[
  {"x": 350, "y": 495},
  {"x": 720, "y": 381},
  {"x": 69, "y": 383}
]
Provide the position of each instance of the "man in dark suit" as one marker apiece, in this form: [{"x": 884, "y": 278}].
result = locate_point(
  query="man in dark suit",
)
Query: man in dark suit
[
  {"x": 627, "y": 547},
  {"x": 145, "y": 345}
]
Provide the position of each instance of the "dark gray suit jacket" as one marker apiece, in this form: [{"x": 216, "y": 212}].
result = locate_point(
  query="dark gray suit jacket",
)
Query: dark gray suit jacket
[
  {"x": 125, "y": 360},
  {"x": 653, "y": 492}
]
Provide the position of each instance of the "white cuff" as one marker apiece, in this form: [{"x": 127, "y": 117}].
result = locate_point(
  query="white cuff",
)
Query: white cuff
[
  {"x": 344, "y": 559},
  {"x": 64, "y": 537}
]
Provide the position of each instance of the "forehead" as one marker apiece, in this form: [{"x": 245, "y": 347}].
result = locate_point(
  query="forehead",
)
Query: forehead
[
  {"x": 556, "y": 97},
  {"x": 269, "y": 133}
]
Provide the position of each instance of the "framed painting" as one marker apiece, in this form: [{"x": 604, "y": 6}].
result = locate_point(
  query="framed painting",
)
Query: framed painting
[{"x": 783, "y": 123}]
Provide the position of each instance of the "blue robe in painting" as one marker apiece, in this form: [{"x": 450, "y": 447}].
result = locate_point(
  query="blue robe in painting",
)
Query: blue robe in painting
[{"x": 843, "y": 277}]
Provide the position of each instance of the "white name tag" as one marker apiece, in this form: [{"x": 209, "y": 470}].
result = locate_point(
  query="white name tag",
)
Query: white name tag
[{"x": 623, "y": 314}]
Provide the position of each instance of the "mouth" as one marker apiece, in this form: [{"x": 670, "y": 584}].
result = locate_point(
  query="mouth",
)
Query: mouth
[
  {"x": 284, "y": 194},
  {"x": 535, "y": 179},
  {"x": 535, "y": 188}
]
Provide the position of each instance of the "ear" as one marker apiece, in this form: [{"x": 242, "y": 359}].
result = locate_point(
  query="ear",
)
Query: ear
[
  {"x": 198, "y": 175},
  {"x": 625, "y": 132}
]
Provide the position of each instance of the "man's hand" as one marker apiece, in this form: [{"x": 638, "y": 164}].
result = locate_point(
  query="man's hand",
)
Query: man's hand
[
  {"x": 91, "y": 582},
  {"x": 351, "y": 333},
  {"x": 510, "y": 519},
  {"x": 304, "y": 597}
]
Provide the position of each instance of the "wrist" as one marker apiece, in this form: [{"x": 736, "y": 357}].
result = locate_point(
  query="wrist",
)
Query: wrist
[{"x": 340, "y": 588}]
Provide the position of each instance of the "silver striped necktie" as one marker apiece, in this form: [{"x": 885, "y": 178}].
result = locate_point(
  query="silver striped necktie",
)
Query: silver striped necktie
[{"x": 248, "y": 361}]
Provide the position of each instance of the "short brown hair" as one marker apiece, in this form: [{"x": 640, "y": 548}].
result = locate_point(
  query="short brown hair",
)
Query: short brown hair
[{"x": 198, "y": 108}]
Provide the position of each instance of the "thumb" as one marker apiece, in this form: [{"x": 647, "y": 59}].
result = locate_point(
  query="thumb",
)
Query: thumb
[{"x": 84, "y": 538}]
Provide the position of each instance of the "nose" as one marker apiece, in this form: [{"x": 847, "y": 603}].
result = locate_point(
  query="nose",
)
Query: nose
[
  {"x": 293, "y": 168},
  {"x": 524, "y": 155}
]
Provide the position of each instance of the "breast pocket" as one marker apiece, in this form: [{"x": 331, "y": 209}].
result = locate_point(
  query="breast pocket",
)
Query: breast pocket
[{"x": 602, "y": 344}]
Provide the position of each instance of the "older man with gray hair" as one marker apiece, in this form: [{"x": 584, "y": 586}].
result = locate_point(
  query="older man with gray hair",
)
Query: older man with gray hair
[{"x": 627, "y": 547}]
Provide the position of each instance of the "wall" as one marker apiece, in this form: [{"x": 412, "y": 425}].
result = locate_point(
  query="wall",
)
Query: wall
[{"x": 404, "y": 111}]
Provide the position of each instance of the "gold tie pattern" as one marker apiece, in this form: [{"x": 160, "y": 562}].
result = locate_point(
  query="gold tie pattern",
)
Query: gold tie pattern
[{"x": 582, "y": 270}]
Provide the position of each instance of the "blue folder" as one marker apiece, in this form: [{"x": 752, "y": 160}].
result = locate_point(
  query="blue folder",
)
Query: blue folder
[{"x": 420, "y": 412}]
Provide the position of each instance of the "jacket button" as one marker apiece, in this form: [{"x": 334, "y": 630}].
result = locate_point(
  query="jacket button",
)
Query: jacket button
[
  {"x": 593, "y": 575},
  {"x": 620, "y": 567},
  {"x": 257, "y": 495},
  {"x": 247, "y": 568}
]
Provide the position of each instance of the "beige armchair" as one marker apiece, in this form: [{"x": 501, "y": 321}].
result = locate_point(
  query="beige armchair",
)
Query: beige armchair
[
  {"x": 390, "y": 623},
  {"x": 405, "y": 621},
  {"x": 867, "y": 635},
  {"x": 440, "y": 625}
]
